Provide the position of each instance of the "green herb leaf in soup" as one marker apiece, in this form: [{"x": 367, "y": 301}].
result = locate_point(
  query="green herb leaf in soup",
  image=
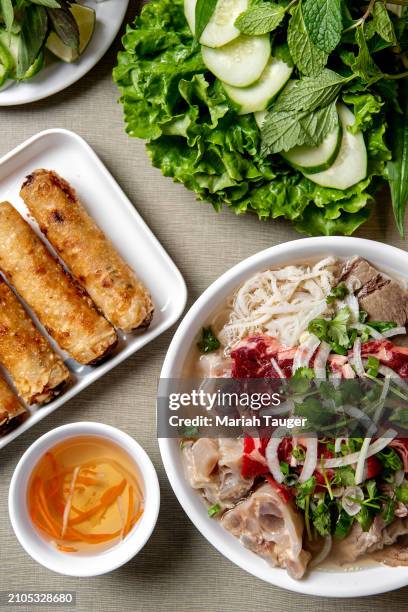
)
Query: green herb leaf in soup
[{"x": 208, "y": 342}]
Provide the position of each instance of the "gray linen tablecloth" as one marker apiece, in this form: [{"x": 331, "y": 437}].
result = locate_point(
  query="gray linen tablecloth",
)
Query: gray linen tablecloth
[{"x": 177, "y": 570}]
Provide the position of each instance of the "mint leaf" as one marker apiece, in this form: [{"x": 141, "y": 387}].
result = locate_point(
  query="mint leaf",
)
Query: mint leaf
[
  {"x": 310, "y": 93},
  {"x": 308, "y": 58},
  {"x": 382, "y": 24},
  {"x": 364, "y": 65},
  {"x": 260, "y": 19},
  {"x": 324, "y": 23},
  {"x": 203, "y": 12},
  {"x": 282, "y": 131}
]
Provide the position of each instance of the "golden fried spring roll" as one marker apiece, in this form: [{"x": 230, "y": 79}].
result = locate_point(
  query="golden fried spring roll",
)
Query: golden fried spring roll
[
  {"x": 11, "y": 410},
  {"x": 38, "y": 373},
  {"x": 88, "y": 254},
  {"x": 63, "y": 308}
]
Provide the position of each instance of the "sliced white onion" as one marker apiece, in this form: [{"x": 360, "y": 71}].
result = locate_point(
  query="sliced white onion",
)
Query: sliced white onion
[
  {"x": 305, "y": 352},
  {"x": 272, "y": 459},
  {"x": 357, "y": 360},
  {"x": 351, "y": 507},
  {"x": 374, "y": 448},
  {"x": 324, "y": 553},
  {"x": 321, "y": 361},
  {"x": 366, "y": 327},
  {"x": 359, "y": 475},
  {"x": 357, "y": 413},
  {"x": 399, "y": 477},
  {"x": 396, "y": 378},
  {"x": 310, "y": 462},
  {"x": 335, "y": 378},
  {"x": 278, "y": 370},
  {"x": 395, "y": 331},
  {"x": 352, "y": 303}
]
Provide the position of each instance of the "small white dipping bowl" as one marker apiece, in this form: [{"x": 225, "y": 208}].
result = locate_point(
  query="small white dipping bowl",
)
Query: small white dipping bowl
[
  {"x": 367, "y": 580},
  {"x": 84, "y": 564}
]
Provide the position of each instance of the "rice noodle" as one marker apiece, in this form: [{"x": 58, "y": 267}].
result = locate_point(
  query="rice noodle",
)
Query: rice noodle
[
  {"x": 277, "y": 368},
  {"x": 280, "y": 303}
]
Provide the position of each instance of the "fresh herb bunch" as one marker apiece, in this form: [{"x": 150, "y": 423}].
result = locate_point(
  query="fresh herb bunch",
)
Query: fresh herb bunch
[
  {"x": 32, "y": 21},
  {"x": 354, "y": 52}
]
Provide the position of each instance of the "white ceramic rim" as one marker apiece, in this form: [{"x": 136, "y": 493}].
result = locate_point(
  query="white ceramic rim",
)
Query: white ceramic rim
[
  {"x": 367, "y": 581},
  {"x": 87, "y": 565}
]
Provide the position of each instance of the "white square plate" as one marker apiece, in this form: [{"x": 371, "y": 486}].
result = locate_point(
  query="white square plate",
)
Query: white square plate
[{"x": 70, "y": 156}]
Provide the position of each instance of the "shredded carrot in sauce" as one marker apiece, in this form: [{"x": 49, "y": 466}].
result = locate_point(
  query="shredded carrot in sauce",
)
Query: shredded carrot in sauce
[{"x": 92, "y": 503}]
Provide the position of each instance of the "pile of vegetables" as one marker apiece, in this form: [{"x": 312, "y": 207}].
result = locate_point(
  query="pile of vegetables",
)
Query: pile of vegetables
[
  {"x": 27, "y": 27},
  {"x": 294, "y": 109}
]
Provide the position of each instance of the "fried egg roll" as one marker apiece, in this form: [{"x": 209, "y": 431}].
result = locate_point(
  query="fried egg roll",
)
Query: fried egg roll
[
  {"x": 11, "y": 410},
  {"x": 62, "y": 307},
  {"x": 38, "y": 373},
  {"x": 88, "y": 254}
]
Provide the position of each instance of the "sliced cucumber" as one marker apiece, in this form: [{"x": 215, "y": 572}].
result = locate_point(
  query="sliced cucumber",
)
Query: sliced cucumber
[
  {"x": 241, "y": 62},
  {"x": 350, "y": 166},
  {"x": 220, "y": 30},
  {"x": 316, "y": 159},
  {"x": 260, "y": 118},
  {"x": 258, "y": 96}
]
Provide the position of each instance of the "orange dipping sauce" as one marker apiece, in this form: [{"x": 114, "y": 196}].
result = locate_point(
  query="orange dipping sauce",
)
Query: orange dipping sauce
[{"x": 85, "y": 494}]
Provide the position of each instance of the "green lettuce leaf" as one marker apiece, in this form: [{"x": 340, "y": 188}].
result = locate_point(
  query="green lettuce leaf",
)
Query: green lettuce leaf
[{"x": 196, "y": 137}]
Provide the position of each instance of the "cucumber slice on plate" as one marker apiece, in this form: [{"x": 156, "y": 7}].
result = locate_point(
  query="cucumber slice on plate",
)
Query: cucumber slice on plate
[
  {"x": 316, "y": 159},
  {"x": 241, "y": 62},
  {"x": 260, "y": 118},
  {"x": 85, "y": 18},
  {"x": 258, "y": 96},
  {"x": 350, "y": 165},
  {"x": 220, "y": 30}
]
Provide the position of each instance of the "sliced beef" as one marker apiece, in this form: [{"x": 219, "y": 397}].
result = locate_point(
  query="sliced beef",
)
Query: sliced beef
[
  {"x": 381, "y": 297},
  {"x": 360, "y": 542},
  {"x": 357, "y": 272},
  {"x": 271, "y": 528},
  {"x": 395, "y": 555}
]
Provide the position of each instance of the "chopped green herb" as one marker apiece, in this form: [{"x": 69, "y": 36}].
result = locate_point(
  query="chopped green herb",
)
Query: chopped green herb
[
  {"x": 298, "y": 453},
  {"x": 363, "y": 316},
  {"x": 390, "y": 459},
  {"x": 402, "y": 494},
  {"x": 343, "y": 525},
  {"x": 321, "y": 519},
  {"x": 389, "y": 511},
  {"x": 209, "y": 342},
  {"x": 213, "y": 510},
  {"x": 373, "y": 365},
  {"x": 334, "y": 331},
  {"x": 337, "y": 293},
  {"x": 365, "y": 518}
]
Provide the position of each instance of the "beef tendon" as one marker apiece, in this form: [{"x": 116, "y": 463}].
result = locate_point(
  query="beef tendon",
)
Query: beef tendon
[
  {"x": 62, "y": 307},
  {"x": 88, "y": 254},
  {"x": 38, "y": 373}
]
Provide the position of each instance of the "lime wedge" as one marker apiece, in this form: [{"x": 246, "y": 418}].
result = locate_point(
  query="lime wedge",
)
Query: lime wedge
[{"x": 85, "y": 18}]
